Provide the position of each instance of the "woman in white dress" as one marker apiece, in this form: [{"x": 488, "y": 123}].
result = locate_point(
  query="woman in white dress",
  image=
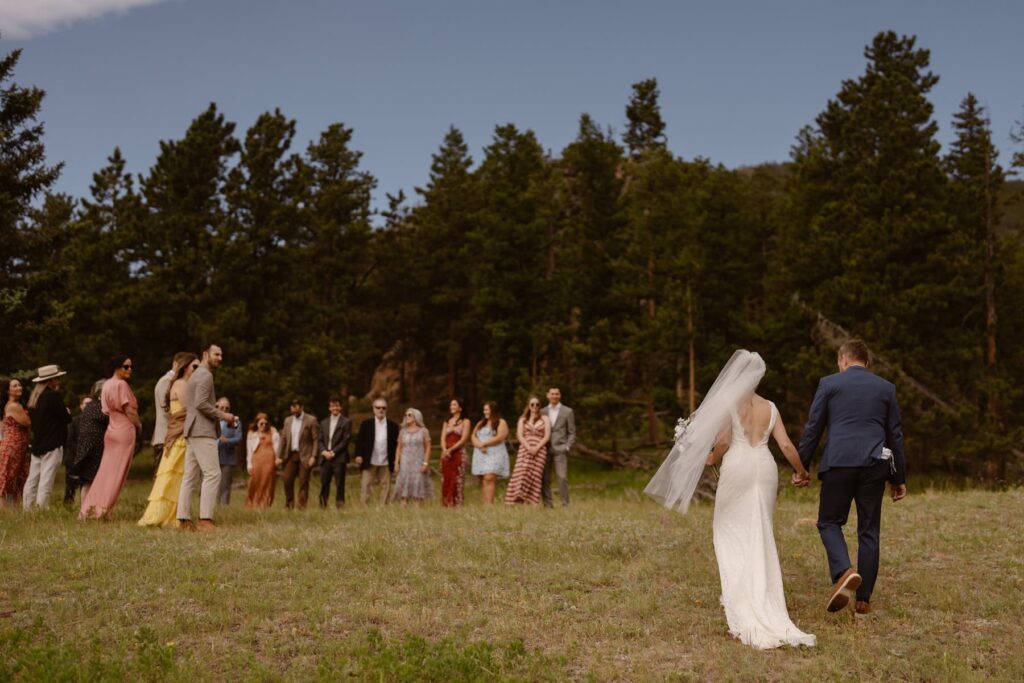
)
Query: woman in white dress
[{"x": 733, "y": 420}]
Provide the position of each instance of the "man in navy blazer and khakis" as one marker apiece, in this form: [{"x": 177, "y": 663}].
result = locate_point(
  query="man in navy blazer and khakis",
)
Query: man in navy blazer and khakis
[{"x": 864, "y": 450}]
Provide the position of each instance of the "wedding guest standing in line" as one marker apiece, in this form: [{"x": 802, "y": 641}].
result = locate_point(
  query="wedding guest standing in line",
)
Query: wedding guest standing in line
[
  {"x": 534, "y": 432},
  {"x": 563, "y": 438},
  {"x": 490, "y": 454},
  {"x": 375, "y": 452},
  {"x": 160, "y": 403},
  {"x": 262, "y": 446},
  {"x": 71, "y": 483},
  {"x": 455, "y": 433},
  {"x": 335, "y": 433},
  {"x": 412, "y": 461},
  {"x": 92, "y": 428},
  {"x": 162, "y": 509},
  {"x": 121, "y": 407},
  {"x": 14, "y": 464},
  {"x": 300, "y": 437},
  {"x": 227, "y": 451},
  {"x": 50, "y": 418},
  {"x": 202, "y": 422}
]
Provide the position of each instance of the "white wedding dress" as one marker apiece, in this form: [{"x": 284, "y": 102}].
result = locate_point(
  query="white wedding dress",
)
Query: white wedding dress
[{"x": 748, "y": 563}]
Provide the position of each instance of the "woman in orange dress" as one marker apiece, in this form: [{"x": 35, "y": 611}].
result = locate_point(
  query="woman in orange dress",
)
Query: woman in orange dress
[
  {"x": 14, "y": 457},
  {"x": 261, "y": 448},
  {"x": 119, "y": 403},
  {"x": 534, "y": 432}
]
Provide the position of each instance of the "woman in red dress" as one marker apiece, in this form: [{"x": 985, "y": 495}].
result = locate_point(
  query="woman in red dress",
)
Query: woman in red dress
[
  {"x": 534, "y": 432},
  {"x": 454, "y": 435},
  {"x": 14, "y": 457}
]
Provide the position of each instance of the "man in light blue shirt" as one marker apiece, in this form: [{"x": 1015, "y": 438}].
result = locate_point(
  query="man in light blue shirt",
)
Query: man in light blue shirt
[{"x": 227, "y": 449}]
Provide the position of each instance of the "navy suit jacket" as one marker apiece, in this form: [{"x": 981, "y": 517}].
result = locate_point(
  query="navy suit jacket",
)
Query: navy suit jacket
[{"x": 860, "y": 412}]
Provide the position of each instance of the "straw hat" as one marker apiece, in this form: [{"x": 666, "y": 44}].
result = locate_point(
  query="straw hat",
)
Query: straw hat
[{"x": 48, "y": 372}]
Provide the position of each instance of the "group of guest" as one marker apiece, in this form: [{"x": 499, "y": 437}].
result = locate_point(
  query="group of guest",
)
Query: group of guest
[{"x": 196, "y": 438}]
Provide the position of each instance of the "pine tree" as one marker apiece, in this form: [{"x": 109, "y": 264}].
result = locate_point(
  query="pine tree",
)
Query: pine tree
[
  {"x": 24, "y": 175},
  {"x": 645, "y": 129}
]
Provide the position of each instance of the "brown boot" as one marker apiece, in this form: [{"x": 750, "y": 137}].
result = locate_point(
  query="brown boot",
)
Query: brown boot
[
  {"x": 863, "y": 607},
  {"x": 206, "y": 525},
  {"x": 844, "y": 590}
]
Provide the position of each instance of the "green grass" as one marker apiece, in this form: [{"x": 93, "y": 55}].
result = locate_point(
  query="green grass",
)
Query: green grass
[{"x": 613, "y": 588}]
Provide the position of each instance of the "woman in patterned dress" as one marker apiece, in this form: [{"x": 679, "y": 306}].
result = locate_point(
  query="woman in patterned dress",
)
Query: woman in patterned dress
[
  {"x": 534, "y": 432},
  {"x": 454, "y": 435},
  {"x": 92, "y": 427},
  {"x": 412, "y": 461},
  {"x": 490, "y": 455},
  {"x": 14, "y": 457}
]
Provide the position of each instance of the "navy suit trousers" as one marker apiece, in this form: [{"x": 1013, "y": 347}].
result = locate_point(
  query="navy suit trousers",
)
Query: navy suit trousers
[{"x": 841, "y": 486}]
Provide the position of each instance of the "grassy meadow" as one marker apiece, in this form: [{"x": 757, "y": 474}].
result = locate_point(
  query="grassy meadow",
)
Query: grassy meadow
[{"x": 612, "y": 588}]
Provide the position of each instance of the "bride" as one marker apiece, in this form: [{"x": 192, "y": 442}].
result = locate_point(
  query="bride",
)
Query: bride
[{"x": 733, "y": 420}]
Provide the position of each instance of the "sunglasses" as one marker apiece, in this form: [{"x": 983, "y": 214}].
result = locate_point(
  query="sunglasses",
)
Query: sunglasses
[
  {"x": 126, "y": 366},
  {"x": 380, "y": 407},
  {"x": 195, "y": 366},
  {"x": 534, "y": 405}
]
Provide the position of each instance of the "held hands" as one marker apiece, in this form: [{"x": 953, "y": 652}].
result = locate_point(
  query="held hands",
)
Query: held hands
[
  {"x": 898, "y": 491},
  {"x": 801, "y": 479},
  {"x": 359, "y": 460}
]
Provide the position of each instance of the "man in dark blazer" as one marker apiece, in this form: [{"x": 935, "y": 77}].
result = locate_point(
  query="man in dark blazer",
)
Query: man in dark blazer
[
  {"x": 335, "y": 433},
  {"x": 300, "y": 439},
  {"x": 375, "y": 451},
  {"x": 864, "y": 450}
]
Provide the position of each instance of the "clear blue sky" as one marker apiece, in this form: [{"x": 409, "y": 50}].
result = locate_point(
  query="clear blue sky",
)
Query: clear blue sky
[{"x": 738, "y": 78}]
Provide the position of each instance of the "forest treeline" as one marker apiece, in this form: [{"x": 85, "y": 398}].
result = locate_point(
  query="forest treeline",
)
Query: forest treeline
[{"x": 619, "y": 271}]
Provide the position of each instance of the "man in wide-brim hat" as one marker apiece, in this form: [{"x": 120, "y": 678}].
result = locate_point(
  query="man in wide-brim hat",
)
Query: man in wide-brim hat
[{"x": 50, "y": 418}]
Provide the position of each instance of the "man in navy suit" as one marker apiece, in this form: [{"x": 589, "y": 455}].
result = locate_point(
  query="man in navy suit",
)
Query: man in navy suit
[{"x": 860, "y": 412}]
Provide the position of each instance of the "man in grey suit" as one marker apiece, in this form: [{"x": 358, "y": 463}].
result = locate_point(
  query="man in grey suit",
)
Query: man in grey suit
[
  {"x": 202, "y": 426},
  {"x": 563, "y": 438}
]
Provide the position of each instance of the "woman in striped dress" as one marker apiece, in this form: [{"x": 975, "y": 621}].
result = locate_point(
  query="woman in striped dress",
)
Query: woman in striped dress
[{"x": 534, "y": 432}]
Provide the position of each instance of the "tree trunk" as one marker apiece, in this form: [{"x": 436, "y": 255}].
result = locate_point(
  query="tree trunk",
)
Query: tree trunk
[{"x": 693, "y": 354}]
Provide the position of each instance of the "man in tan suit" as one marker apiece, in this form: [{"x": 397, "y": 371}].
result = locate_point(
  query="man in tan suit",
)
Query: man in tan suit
[
  {"x": 202, "y": 426},
  {"x": 300, "y": 437},
  {"x": 563, "y": 438}
]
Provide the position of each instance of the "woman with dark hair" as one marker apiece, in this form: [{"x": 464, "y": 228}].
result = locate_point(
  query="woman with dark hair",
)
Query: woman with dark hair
[
  {"x": 490, "y": 455},
  {"x": 14, "y": 457},
  {"x": 120, "y": 405},
  {"x": 92, "y": 426},
  {"x": 454, "y": 435},
  {"x": 534, "y": 432},
  {"x": 163, "y": 499},
  {"x": 261, "y": 461}
]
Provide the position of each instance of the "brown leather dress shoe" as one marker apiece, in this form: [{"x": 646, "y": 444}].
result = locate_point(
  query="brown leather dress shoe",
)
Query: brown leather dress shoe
[
  {"x": 844, "y": 590},
  {"x": 863, "y": 607},
  {"x": 186, "y": 525},
  {"x": 206, "y": 525}
]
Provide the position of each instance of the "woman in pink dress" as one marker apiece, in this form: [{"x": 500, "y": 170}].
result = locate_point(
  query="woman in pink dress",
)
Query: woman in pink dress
[
  {"x": 119, "y": 403},
  {"x": 14, "y": 457}
]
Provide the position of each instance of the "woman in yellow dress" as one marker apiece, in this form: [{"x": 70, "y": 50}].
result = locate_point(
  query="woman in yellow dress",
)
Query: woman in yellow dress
[{"x": 163, "y": 499}]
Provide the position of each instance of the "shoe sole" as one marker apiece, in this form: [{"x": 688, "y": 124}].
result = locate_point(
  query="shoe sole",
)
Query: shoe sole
[{"x": 846, "y": 594}]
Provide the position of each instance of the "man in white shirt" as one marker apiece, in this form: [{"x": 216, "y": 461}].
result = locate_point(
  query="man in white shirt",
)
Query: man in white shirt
[
  {"x": 563, "y": 438},
  {"x": 300, "y": 437},
  {"x": 335, "y": 433},
  {"x": 162, "y": 407},
  {"x": 375, "y": 451}
]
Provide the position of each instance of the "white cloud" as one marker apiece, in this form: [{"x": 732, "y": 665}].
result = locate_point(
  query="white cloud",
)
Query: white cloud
[{"x": 22, "y": 19}]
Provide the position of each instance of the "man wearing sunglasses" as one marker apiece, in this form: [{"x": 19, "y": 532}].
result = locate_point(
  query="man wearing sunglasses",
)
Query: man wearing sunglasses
[{"x": 375, "y": 451}]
